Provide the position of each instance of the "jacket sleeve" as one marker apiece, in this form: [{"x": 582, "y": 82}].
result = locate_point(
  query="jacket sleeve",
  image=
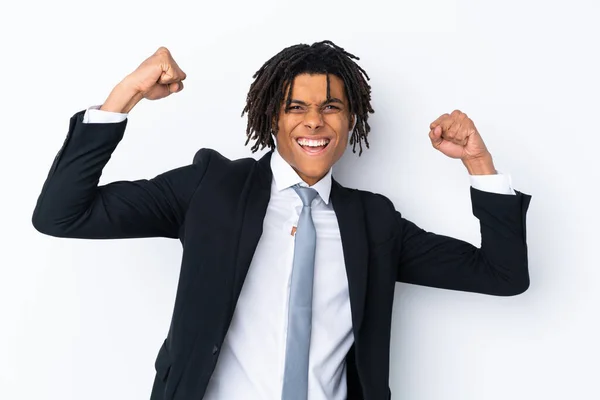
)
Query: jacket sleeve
[
  {"x": 499, "y": 267},
  {"x": 72, "y": 204}
]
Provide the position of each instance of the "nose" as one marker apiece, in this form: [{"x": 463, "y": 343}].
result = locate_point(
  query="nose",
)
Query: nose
[{"x": 313, "y": 119}]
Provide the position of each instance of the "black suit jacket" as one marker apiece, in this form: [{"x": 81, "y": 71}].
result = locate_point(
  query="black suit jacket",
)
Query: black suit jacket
[{"x": 215, "y": 207}]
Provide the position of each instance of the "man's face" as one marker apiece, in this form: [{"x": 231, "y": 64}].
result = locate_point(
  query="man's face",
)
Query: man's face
[{"x": 313, "y": 134}]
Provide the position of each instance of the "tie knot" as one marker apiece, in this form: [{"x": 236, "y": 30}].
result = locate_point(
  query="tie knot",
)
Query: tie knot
[{"x": 306, "y": 194}]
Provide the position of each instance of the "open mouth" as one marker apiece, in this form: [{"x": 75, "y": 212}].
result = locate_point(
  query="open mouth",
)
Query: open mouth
[{"x": 313, "y": 146}]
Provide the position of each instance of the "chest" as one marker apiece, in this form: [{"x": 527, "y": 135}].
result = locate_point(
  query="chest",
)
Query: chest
[{"x": 270, "y": 271}]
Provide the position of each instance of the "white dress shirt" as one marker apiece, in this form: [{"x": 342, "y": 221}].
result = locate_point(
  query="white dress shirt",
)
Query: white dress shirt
[{"x": 251, "y": 363}]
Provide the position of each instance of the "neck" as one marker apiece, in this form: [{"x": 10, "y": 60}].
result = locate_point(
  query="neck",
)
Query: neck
[{"x": 309, "y": 180}]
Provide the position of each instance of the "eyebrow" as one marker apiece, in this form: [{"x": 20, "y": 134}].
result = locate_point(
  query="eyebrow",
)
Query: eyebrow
[{"x": 331, "y": 100}]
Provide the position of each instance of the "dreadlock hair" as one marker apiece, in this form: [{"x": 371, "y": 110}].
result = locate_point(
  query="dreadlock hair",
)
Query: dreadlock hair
[{"x": 267, "y": 91}]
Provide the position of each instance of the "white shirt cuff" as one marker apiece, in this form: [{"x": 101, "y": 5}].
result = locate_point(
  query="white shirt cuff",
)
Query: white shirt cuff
[
  {"x": 94, "y": 115},
  {"x": 498, "y": 183}
]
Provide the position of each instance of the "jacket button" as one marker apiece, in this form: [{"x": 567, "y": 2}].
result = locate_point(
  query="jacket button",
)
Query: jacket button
[{"x": 215, "y": 349}]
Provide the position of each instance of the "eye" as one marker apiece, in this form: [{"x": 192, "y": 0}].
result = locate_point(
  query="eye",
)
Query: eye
[
  {"x": 293, "y": 108},
  {"x": 331, "y": 107}
]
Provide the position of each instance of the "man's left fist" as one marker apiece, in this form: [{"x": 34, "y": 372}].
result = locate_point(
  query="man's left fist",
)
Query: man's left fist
[{"x": 455, "y": 136}]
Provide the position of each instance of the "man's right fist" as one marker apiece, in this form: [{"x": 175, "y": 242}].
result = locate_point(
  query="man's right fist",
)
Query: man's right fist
[{"x": 157, "y": 77}]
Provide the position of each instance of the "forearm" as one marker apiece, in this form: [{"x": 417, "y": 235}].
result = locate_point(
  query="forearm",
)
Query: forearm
[
  {"x": 122, "y": 98},
  {"x": 499, "y": 267},
  {"x": 72, "y": 183},
  {"x": 482, "y": 165},
  {"x": 503, "y": 248}
]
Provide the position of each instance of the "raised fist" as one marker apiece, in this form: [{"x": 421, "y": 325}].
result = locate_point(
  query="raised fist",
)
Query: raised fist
[{"x": 157, "y": 77}]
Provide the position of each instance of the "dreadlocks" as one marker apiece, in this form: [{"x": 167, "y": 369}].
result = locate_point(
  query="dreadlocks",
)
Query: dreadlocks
[{"x": 267, "y": 91}]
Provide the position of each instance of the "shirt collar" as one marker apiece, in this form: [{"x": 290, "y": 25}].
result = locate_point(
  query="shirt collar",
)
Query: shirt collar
[{"x": 285, "y": 177}]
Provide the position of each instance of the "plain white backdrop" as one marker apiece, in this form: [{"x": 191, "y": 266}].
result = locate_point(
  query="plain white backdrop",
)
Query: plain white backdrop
[{"x": 84, "y": 319}]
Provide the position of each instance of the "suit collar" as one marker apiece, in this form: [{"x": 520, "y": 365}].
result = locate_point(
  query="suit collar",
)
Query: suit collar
[{"x": 264, "y": 173}]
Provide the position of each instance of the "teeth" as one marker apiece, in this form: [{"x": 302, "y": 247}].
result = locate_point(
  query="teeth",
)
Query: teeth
[{"x": 312, "y": 143}]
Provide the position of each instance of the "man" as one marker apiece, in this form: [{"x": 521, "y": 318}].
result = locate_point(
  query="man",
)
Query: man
[{"x": 287, "y": 278}]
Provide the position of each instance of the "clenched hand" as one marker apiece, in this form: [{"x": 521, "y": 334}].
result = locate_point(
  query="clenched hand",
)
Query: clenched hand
[
  {"x": 455, "y": 136},
  {"x": 157, "y": 77}
]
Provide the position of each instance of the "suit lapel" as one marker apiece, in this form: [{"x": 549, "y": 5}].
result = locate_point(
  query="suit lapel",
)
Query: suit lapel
[
  {"x": 258, "y": 189},
  {"x": 351, "y": 220}
]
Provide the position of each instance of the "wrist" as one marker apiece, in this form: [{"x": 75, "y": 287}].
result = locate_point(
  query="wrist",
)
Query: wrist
[
  {"x": 481, "y": 165},
  {"x": 122, "y": 98}
]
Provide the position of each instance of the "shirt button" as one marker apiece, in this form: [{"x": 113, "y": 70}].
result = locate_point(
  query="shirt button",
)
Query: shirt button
[{"x": 215, "y": 349}]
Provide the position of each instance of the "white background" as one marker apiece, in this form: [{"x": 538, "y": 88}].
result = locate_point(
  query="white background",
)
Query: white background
[{"x": 84, "y": 319}]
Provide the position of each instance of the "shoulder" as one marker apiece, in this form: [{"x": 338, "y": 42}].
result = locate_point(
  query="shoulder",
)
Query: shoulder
[
  {"x": 377, "y": 200},
  {"x": 374, "y": 201},
  {"x": 215, "y": 167},
  {"x": 210, "y": 158}
]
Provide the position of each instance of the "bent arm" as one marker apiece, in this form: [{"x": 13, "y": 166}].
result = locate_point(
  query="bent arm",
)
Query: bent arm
[
  {"x": 499, "y": 267},
  {"x": 71, "y": 204}
]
